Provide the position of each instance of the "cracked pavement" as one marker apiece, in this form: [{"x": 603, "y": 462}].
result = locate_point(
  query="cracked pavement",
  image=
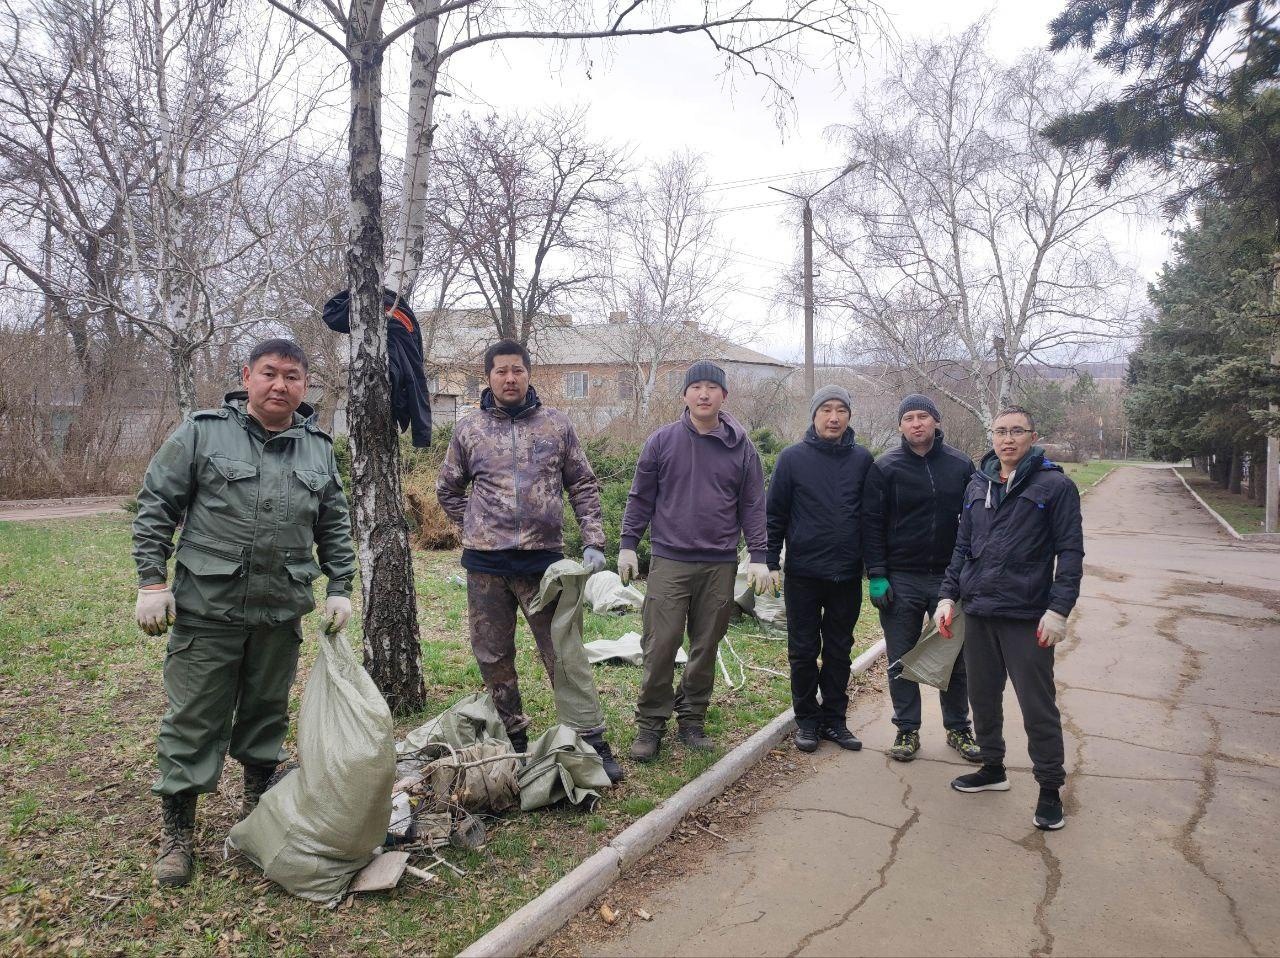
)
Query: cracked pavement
[{"x": 1168, "y": 689}]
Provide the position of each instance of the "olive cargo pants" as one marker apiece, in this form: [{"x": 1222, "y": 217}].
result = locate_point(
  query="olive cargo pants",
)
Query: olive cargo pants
[
  {"x": 699, "y": 594},
  {"x": 228, "y": 688}
]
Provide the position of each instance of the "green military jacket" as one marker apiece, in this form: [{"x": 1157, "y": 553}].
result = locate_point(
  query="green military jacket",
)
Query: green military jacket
[{"x": 257, "y": 508}]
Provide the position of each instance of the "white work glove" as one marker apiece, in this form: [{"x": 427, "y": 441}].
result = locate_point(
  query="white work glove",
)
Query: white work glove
[
  {"x": 943, "y": 616},
  {"x": 155, "y": 610},
  {"x": 761, "y": 579},
  {"x": 592, "y": 559},
  {"x": 628, "y": 565},
  {"x": 1052, "y": 629},
  {"x": 336, "y": 614}
]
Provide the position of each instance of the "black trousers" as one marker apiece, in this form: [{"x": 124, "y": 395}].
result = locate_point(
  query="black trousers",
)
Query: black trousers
[
  {"x": 821, "y": 615},
  {"x": 995, "y": 648},
  {"x": 915, "y": 594}
]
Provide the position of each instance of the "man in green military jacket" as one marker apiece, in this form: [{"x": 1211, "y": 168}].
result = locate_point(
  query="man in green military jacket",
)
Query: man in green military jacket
[{"x": 255, "y": 486}]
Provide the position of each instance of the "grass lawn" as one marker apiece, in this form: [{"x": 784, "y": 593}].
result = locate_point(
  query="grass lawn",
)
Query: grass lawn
[
  {"x": 1087, "y": 474},
  {"x": 1244, "y": 515},
  {"x": 80, "y": 701}
]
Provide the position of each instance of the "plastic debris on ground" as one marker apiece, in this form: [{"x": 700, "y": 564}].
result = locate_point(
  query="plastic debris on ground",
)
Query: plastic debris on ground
[
  {"x": 605, "y": 594},
  {"x": 769, "y": 610},
  {"x": 626, "y": 649}
]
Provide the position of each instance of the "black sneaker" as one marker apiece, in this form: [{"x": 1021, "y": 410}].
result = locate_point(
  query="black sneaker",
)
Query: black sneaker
[
  {"x": 1049, "y": 811},
  {"x": 989, "y": 778},
  {"x": 905, "y": 746},
  {"x": 806, "y": 739},
  {"x": 841, "y": 736}
]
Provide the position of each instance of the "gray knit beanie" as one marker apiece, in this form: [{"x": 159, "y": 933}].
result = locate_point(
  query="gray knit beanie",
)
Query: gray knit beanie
[
  {"x": 828, "y": 393},
  {"x": 917, "y": 403},
  {"x": 704, "y": 370}
]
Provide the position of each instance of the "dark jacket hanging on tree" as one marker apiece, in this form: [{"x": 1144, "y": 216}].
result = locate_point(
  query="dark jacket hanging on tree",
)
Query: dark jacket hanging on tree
[{"x": 410, "y": 400}]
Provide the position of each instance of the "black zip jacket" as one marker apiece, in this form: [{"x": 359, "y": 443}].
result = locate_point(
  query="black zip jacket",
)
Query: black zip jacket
[
  {"x": 911, "y": 508},
  {"x": 410, "y": 399},
  {"x": 1010, "y": 534},
  {"x": 815, "y": 507}
]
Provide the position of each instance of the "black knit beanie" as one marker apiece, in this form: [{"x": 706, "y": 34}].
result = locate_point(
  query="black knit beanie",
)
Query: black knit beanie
[
  {"x": 704, "y": 370},
  {"x": 915, "y": 402}
]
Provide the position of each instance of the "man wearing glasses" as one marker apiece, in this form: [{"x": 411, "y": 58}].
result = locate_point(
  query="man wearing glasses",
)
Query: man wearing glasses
[{"x": 1017, "y": 566}]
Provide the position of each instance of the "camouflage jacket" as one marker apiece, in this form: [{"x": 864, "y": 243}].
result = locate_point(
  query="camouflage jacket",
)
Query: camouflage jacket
[
  {"x": 254, "y": 507},
  {"x": 518, "y": 469}
]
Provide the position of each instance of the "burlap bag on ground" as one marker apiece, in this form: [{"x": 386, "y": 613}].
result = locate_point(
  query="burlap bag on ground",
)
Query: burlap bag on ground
[
  {"x": 934, "y": 656},
  {"x": 468, "y": 721},
  {"x": 490, "y": 787},
  {"x": 320, "y": 825},
  {"x": 605, "y": 593},
  {"x": 561, "y": 765}
]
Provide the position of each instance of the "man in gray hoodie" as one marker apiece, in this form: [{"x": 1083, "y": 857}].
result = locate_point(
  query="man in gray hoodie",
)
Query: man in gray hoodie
[{"x": 698, "y": 486}]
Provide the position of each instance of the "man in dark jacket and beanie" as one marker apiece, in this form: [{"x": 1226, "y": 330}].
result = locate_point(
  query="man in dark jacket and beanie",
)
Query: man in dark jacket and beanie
[
  {"x": 815, "y": 510},
  {"x": 519, "y": 459},
  {"x": 1017, "y": 567},
  {"x": 698, "y": 486},
  {"x": 911, "y": 511}
]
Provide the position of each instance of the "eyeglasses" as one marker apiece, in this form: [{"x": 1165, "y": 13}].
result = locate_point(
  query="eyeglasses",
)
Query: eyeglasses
[{"x": 1013, "y": 432}]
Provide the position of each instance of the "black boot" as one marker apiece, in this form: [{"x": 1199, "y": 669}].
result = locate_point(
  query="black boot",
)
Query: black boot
[
  {"x": 177, "y": 857},
  {"x": 519, "y": 741},
  {"x": 257, "y": 779},
  {"x": 611, "y": 766}
]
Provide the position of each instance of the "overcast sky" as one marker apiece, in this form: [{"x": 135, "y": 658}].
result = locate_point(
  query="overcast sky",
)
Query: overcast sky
[{"x": 664, "y": 94}]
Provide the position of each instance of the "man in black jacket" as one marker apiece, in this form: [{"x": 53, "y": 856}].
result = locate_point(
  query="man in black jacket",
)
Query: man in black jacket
[
  {"x": 911, "y": 508},
  {"x": 814, "y": 508},
  {"x": 1017, "y": 567}
]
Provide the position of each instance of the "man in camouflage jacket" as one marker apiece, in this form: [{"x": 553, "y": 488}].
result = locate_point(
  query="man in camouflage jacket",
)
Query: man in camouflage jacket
[
  {"x": 519, "y": 459},
  {"x": 255, "y": 488}
]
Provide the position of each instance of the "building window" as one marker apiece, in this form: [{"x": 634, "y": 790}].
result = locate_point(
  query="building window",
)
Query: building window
[
  {"x": 675, "y": 379},
  {"x": 473, "y": 387},
  {"x": 575, "y": 385},
  {"x": 627, "y": 384}
]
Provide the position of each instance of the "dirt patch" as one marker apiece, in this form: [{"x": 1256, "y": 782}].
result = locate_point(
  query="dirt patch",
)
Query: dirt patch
[{"x": 1102, "y": 572}]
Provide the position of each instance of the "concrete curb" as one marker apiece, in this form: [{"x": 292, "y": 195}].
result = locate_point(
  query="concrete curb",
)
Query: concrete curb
[
  {"x": 541, "y": 918},
  {"x": 1231, "y": 530}
]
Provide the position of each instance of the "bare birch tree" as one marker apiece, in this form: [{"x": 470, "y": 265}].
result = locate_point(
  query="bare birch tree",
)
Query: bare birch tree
[
  {"x": 662, "y": 274},
  {"x": 967, "y": 246}
]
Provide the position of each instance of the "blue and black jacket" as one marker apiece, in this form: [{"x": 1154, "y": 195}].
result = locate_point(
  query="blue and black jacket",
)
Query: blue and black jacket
[{"x": 1020, "y": 545}]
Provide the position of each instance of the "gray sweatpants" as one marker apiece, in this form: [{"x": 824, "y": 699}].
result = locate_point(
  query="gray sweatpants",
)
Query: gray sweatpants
[{"x": 996, "y": 648}]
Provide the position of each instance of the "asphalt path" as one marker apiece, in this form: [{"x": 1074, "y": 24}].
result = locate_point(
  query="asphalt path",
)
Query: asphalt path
[{"x": 1168, "y": 690}]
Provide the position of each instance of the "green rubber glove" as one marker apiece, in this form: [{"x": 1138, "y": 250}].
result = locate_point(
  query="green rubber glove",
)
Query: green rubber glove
[{"x": 881, "y": 592}]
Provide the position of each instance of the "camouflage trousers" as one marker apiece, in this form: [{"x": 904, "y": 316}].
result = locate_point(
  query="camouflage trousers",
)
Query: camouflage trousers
[{"x": 492, "y": 601}]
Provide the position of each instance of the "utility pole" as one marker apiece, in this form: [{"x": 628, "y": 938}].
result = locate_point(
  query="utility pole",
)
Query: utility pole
[
  {"x": 1273, "y": 438},
  {"x": 807, "y": 219}
]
